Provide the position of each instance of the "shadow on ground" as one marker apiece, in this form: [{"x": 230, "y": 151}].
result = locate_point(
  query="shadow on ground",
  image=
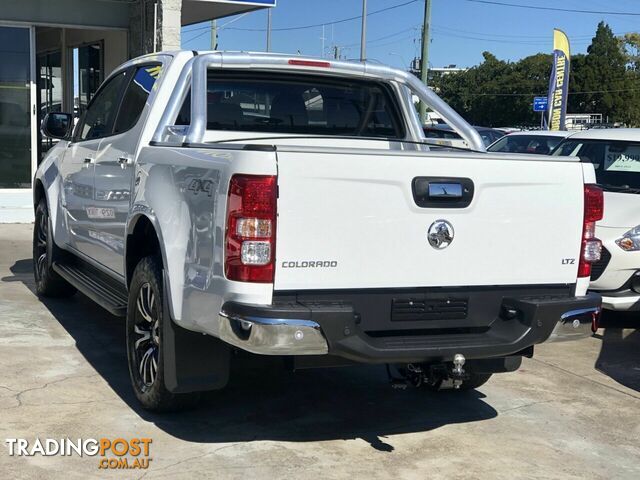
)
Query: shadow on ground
[
  {"x": 266, "y": 402},
  {"x": 619, "y": 356}
]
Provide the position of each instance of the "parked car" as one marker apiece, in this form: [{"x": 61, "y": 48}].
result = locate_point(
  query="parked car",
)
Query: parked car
[
  {"x": 615, "y": 154},
  {"x": 540, "y": 142},
  {"x": 448, "y": 137},
  {"x": 331, "y": 241}
]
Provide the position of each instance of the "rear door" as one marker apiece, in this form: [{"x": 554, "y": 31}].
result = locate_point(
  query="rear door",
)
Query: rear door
[
  {"x": 114, "y": 169},
  {"x": 362, "y": 219}
]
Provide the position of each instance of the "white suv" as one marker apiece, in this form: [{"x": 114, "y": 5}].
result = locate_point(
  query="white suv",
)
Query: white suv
[{"x": 615, "y": 154}]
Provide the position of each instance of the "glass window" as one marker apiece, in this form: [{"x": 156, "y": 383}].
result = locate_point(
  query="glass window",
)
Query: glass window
[
  {"x": 88, "y": 74},
  {"x": 540, "y": 144},
  {"x": 15, "y": 108},
  {"x": 617, "y": 163},
  {"x": 49, "y": 92},
  {"x": 441, "y": 133},
  {"x": 100, "y": 115},
  {"x": 135, "y": 98},
  {"x": 298, "y": 104}
]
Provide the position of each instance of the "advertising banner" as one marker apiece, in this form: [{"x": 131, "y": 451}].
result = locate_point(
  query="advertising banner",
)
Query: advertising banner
[{"x": 559, "y": 83}]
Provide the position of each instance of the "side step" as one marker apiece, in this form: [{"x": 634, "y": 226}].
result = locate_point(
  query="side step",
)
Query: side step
[{"x": 94, "y": 284}]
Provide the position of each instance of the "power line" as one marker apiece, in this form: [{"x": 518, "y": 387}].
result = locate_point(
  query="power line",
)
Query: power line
[
  {"x": 391, "y": 35},
  {"x": 315, "y": 25},
  {"x": 208, "y": 27},
  {"x": 555, "y": 9},
  {"x": 198, "y": 36},
  {"x": 487, "y": 38},
  {"x": 334, "y": 22},
  {"x": 532, "y": 37},
  {"x": 543, "y": 94}
]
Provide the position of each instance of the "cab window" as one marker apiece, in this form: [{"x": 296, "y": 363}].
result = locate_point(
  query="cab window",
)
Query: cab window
[{"x": 99, "y": 117}]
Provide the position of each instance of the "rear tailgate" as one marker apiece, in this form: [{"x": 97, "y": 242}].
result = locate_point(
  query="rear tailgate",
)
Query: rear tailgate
[{"x": 349, "y": 220}]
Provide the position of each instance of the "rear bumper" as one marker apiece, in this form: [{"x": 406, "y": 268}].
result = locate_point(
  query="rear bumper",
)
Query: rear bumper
[
  {"x": 317, "y": 325},
  {"x": 621, "y": 301}
]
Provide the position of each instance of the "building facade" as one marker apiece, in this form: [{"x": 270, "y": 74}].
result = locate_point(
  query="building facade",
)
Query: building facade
[{"x": 54, "y": 54}]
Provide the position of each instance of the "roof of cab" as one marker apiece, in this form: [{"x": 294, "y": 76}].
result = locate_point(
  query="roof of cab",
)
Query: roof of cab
[{"x": 624, "y": 134}]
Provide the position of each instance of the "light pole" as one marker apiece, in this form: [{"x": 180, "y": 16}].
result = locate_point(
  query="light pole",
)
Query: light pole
[
  {"x": 268, "y": 30},
  {"x": 363, "y": 36},
  {"x": 424, "y": 64}
]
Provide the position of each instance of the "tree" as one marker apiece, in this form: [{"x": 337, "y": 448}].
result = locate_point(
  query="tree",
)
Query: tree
[
  {"x": 604, "y": 77},
  {"x": 499, "y": 93},
  {"x": 631, "y": 47},
  {"x": 496, "y": 93}
]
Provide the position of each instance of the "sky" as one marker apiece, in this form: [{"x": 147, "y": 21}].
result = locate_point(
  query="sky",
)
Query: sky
[{"x": 461, "y": 29}]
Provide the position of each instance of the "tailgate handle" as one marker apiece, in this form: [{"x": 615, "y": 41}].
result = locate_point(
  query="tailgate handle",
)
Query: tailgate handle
[{"x": 442, "y": 192}]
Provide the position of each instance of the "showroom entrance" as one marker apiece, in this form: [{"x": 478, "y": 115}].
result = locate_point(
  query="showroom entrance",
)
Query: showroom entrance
[{"x": 45, "y": 69}]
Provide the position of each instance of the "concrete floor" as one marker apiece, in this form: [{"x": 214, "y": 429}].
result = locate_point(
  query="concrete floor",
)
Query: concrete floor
[{"x": 571, "y": 412}]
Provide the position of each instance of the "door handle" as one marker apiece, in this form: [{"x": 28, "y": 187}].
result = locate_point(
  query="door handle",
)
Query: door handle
[
  {"x": 88, "y": 160},
  {"x": 124, "y": 161},
  {"x": 442, "y": 192}
]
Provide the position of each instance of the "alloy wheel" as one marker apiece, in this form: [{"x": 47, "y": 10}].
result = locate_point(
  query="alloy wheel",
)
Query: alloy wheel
[
  {"x": 147, "y": 344},
  {"x": 41, "y": 245}
]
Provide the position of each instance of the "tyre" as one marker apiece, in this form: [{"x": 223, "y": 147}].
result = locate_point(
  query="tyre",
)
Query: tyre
[
  {"x": 145, "y": 317},
  {"x": 48, "y": 282}
]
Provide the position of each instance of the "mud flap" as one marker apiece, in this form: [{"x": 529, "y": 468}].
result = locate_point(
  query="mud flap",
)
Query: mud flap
[{"x": 193, "y": 362}]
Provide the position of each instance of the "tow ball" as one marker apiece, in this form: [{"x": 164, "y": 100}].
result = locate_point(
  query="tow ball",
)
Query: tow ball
[
  {"x": 457, "y": 373},
  {"x": 434, "y": 376}
]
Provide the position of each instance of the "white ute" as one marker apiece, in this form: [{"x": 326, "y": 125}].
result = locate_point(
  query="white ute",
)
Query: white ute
[
  {"x": 615, "y": 154},
  {"x": 290, "y": 206}
]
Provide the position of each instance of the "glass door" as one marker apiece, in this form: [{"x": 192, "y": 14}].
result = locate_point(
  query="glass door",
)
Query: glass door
[
  {"x": 49, "y": 70},
  {"x": 88, "y": 74},
  {"x": 15, "y": 107}
]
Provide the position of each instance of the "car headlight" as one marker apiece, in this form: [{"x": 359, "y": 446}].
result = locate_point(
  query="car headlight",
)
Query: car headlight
[{"x": 630, "y": 241}]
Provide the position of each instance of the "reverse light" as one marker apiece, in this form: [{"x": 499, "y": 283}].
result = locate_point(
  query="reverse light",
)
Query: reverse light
[
  {"x": 250, "y": 230},
  {"x": 630, "y": 241},
  {"x": 591, "y": 250},
  {"x": 255, "y": 253}
]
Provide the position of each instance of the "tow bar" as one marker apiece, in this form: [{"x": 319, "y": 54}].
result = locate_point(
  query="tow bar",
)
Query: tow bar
[{"x": 431, "y": 375}]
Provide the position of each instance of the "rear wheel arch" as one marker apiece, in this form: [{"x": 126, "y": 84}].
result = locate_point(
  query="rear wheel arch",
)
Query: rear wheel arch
[
  {"x": 143, "y": 240},
  {"x": 38, "y": 193}
]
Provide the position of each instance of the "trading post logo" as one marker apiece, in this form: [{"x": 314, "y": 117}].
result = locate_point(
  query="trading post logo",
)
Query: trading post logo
[{"x": 117, "y": 453}]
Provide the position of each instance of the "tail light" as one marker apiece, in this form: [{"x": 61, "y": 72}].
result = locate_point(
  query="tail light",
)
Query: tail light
[
  {"x": 250, "y": 237},
  {"x": 591, "y": 246}
]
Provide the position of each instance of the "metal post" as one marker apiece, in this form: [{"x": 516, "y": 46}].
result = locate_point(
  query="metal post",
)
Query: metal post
[
  {"x": 268, "y": 30},
  {"x": 363, "y": 37},
  {"x": 155, "y": 27},
  {"x": 214, "y": 35},
  {"x": 424, "y": 64}
]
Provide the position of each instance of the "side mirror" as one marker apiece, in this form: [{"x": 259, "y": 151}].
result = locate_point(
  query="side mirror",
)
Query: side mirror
[{"x": 57, "y": 125}]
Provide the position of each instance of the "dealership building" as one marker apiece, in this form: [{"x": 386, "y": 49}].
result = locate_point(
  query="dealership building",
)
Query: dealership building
[{"x": 54, "y": 54}]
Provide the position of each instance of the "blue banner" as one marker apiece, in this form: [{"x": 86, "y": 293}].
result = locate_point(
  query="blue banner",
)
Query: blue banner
[{"x": 559, "y": 82}]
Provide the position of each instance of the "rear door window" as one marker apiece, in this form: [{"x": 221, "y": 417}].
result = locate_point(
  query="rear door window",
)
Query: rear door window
[{"x": 298, "y": 104}]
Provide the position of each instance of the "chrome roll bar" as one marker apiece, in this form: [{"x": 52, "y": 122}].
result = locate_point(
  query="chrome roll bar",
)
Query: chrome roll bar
[{"x": 194, "y": 78}]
